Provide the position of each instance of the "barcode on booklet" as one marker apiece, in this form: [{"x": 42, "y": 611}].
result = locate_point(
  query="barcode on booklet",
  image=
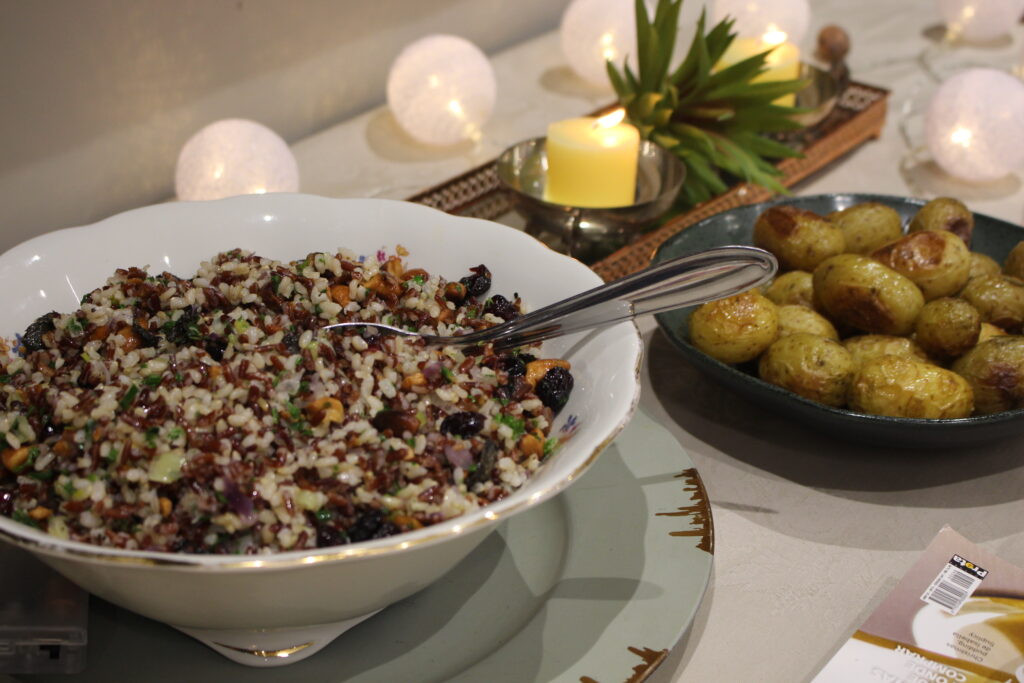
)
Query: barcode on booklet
[{"x": 954, "y": 584}]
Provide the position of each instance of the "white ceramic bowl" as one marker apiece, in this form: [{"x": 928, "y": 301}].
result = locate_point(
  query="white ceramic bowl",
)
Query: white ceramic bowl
[{"x": 272, "y": 609}]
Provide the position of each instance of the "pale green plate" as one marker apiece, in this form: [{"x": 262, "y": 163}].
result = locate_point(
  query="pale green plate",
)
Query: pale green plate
[{"x": 597, "y": 583}]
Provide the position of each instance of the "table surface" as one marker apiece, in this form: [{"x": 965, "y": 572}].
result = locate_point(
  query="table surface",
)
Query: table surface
[{"x": 810, "y": 533}]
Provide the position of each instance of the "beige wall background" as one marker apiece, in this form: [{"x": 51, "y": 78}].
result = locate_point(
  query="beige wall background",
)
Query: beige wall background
[{"x": 98, "y": 96}]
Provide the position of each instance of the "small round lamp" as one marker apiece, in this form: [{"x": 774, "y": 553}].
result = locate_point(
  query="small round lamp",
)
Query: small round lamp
[
  {"x": 232, "y": 157},
  {"x": 974, "y": 125},
  {"x": 441, "y": 89}
]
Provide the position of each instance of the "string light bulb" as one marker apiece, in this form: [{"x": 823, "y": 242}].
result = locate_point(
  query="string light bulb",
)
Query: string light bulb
[
  {"x": 778, "y": 20},
  {"x": 232, "y": 157},
  {"x": 595, "y": 31},
  {"x": 441, "y": 89},
  {"x": 974, "y": 125}
]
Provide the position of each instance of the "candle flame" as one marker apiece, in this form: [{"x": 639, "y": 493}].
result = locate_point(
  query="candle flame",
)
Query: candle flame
[
  {"x": 612, "y": 119},
  {"x": 773, "y": 35}
]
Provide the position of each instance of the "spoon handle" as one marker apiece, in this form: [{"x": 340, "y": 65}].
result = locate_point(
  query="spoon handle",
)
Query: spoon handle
[{"x": 681, "y": 281}]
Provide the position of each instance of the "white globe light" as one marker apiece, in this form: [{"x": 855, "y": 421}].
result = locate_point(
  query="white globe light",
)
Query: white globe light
[
  {"x": 594, "y": 31},
  {"x": 755, "y": 18},
  {"x": 975, "y": 125},
  {"x": 979, "y": 20},
  {"x": 441, "y": 89},
  {"x": 232, "y": 157}
]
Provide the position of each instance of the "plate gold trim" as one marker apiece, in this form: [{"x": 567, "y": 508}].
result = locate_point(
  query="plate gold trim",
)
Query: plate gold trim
[{"x": 702, "y": 525}]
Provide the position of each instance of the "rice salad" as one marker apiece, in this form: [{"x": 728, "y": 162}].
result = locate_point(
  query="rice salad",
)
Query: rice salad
[{"x": 213, "y": 415}]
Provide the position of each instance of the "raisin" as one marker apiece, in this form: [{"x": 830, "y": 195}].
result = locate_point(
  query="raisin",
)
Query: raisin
[
  {"x": 501, "y": 307},
  {"x": 146, "y": 338},
  {"x": 516, "y": 389},
  {"x": 327, "y": 536},
  {"x": 291, "y": 342},
  {"x": 464, "y": 424},
  {"x": 554, "y": 387},
  {"x": 514, "y": 365},
  {"x": 479, "y": 282},
  {"x": 215, "y": 346},
  {"x": 32, "y": 340},
  {"x": 396, "y": 421},
  {"x": 370, "y": 524}
]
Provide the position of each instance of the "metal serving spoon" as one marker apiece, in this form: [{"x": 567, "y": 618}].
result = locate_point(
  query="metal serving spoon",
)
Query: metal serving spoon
[{"x": 682, "y": 281}]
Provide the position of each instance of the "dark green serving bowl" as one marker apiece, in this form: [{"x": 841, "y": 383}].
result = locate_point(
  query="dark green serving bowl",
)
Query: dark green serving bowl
[{"x": 735, "y": 226}]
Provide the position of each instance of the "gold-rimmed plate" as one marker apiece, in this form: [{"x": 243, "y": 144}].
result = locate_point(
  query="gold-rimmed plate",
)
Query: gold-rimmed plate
[{"x": 598, "y": 583}]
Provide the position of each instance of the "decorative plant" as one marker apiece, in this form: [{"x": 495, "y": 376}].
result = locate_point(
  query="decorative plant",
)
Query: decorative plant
[{"x": 715, "y": 121}]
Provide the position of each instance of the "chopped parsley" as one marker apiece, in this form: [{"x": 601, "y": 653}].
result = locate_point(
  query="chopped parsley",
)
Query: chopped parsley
[
  {"x": 112, "y": 455},
  {"x": 129, "y": 397},
  {"x": 74, "y": 326},
  {"x": 151, "y": 435},
  {"x": 323, "y": 515},
  {"x": 152, "y": 380},
  {"x": 514, "y": 423},
  {"x": 448, "y": 374},
  {"x": 176, "y": 433},
  {"x": 550, "y": 446}
]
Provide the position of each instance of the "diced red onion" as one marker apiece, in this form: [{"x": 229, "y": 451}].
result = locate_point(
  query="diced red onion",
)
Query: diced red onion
[{"x": 459, "y": 457}]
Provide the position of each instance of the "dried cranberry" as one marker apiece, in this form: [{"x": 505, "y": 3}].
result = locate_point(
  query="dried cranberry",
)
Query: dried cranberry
[
  {"x": 464, "y": 424},
  {"x": 554, "y": 387},
  {"x": 501, "y": 307},
  {"x": 478, "y": 283}
]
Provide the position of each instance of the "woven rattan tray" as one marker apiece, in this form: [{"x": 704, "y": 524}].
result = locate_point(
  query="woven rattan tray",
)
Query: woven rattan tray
[{"x": 857, "y": 117}]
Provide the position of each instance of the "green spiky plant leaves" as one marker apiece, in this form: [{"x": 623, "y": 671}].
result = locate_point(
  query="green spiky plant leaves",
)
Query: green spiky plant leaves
[{"x": 715, "y": 121}]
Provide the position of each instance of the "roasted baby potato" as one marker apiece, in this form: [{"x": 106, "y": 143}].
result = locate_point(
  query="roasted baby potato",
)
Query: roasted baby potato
[
  {"x": 947, "y": 327},
  {"x": 1014, "y": 265},
  {"x": 860, "y": 292},
  {"x": 901, "y": 387},
  {"x": 794, "y": 287},
  {"x": 794, "y": 318},
  {"x": 809, "y": 365},
  {"x": 983, "y": 264},
  {"x": 867, "y": 226},
  {"x": 735, "y": 329},
  {"x": 938, "y": 262},
  {"x": 944, "y": 213},
  {"x": 799, "y": 239},
  {"x": 995, "y": 371},
  {"x": 999, "y": 300},
  {"x": 865, "y": 347}
]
